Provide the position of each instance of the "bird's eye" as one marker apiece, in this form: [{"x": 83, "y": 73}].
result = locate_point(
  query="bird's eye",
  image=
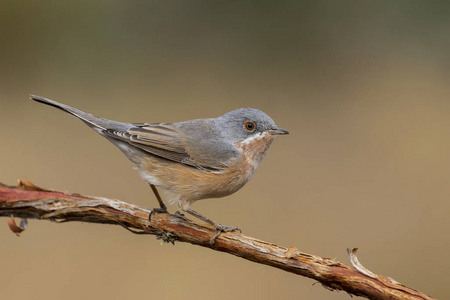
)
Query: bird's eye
[{"x": 249, "y": 125}]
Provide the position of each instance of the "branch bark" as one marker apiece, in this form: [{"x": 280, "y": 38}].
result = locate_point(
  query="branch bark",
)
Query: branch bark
[{"x": 30, "y": 201}]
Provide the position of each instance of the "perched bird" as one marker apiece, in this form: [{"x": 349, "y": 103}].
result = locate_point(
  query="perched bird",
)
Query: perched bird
[{"x": 191, "y": 160}]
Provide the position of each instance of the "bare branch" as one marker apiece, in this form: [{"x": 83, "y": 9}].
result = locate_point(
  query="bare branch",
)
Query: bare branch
[{"x": 30, "y": 201}]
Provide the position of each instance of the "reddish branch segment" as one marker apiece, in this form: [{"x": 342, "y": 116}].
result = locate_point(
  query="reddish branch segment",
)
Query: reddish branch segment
[{"x": 30, "y": 201}]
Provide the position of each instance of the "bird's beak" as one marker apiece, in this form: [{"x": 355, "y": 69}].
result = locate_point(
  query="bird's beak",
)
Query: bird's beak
[{"x": 277, "y": 131}]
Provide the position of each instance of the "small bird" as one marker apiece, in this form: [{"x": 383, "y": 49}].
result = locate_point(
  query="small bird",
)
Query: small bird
[{"x": 191, "y": 160}]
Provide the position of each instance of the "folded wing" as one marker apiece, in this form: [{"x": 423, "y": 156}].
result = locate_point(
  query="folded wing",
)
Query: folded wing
[{"x": 160, "y": 139}]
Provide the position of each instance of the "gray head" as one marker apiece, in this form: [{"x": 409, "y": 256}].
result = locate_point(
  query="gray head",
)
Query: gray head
[{"x": 244, "y": 123}]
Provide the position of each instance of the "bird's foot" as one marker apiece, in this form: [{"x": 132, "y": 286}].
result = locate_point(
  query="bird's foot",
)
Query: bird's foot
[
  {"x": 181, "y": 216},
  {"x": 158, "y": 210},
  {"x": 224, "y": 228},
  {"x": 219, "y": 229}
]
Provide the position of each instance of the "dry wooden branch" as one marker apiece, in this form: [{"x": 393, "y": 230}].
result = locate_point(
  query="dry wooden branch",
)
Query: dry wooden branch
[{"x": 30, "y": 201}]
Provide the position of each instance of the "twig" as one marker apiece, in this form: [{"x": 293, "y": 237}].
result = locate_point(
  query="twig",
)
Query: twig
[{"x": 30, "y": 201}]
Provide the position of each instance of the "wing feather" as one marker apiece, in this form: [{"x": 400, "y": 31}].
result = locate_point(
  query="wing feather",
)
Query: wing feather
[{"x": 159, "y": 139}]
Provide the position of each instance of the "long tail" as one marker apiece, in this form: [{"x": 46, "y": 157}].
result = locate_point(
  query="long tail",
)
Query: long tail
[{"x": 96, "y": 123}]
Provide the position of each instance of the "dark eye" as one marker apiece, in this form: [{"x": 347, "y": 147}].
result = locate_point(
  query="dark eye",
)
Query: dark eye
[{"x": 249, "y": 125}]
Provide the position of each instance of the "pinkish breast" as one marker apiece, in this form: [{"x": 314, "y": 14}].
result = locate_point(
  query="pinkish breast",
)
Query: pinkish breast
[{"x": 255, "y": 150}]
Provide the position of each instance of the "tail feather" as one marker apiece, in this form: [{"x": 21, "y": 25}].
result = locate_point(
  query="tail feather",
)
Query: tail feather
[{"x": 96, "y": 123}]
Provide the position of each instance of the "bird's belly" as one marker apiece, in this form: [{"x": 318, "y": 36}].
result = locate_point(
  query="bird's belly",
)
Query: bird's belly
[{"x": 186, "y": 184}]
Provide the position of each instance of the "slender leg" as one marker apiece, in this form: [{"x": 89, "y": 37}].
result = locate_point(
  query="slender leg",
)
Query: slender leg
[
  {"x": 162, "y": 208},
  {"x": 219, "y": 228},
  {"x": 158, "y": 197}
]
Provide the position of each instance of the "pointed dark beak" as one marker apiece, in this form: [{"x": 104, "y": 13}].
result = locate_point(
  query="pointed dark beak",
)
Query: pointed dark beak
[{"x": 277, "y": 131}]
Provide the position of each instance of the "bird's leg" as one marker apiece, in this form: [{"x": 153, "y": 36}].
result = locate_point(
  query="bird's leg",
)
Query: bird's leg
[
  {"x": 158, "y": 197},
  {"x": 219, "y": 228},
  {"x": 162, "y": 208}
]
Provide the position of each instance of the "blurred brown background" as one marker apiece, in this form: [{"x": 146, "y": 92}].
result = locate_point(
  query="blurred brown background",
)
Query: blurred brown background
[{"x": 362, "y": 86}]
